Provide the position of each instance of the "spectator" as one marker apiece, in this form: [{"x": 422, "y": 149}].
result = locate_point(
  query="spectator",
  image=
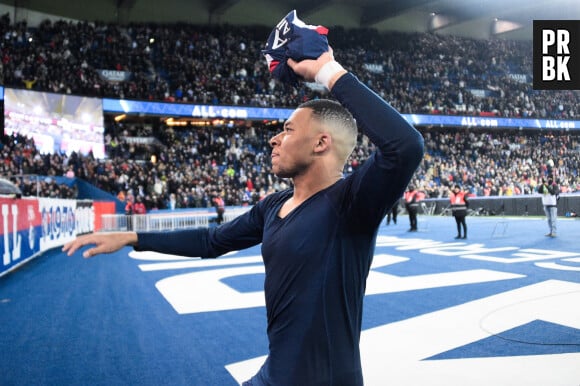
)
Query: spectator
[{"x": 139, "y": 206}]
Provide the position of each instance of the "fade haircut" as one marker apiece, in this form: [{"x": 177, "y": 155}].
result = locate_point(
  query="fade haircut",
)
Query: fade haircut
[{"x": 338, "y": 120}]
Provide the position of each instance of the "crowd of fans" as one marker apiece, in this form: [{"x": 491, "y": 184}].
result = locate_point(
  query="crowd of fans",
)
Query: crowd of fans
[
  {"x": 419, "y": 72},
  {"x": 498, "y": 163},
  {"x": 187, "y": 166},
  {"x": 191, "y": 166}
]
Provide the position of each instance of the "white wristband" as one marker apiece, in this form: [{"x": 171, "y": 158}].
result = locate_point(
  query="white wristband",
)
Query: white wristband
[{"x": 326, "y": 73}]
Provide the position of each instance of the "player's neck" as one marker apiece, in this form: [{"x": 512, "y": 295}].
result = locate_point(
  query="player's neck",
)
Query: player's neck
[{"x": 311, "y": 183}]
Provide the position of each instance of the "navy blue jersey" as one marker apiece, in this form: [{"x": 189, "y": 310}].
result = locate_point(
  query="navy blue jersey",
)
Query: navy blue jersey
[
  {"x": 292, "y": 38},
  {"x": 317, "y": 258}
]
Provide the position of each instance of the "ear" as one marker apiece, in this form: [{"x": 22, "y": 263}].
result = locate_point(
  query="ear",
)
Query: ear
[{"x": 324, "y": 140}]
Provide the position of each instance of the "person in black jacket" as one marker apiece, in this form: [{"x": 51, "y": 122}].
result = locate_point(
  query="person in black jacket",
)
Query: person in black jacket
[{"x": 392, "y": 214}]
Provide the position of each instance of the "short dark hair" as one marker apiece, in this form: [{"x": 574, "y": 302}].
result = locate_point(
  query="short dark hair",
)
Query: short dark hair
[
  {"x": 326, "y": 108},
  {"x": 339, "y": 119}
]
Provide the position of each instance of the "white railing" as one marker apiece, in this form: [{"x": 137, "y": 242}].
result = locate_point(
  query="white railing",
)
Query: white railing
[{"x": 165, "y": 220}]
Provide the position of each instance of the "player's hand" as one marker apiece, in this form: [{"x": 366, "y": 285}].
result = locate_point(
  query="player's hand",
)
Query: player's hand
[
  {"x": 103, "y": 243},
  {"x": 308, "y": 68}
]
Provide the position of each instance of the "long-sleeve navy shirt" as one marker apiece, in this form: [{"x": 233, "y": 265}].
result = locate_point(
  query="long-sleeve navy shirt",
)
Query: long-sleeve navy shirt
[{"x": 318, "y": 257}]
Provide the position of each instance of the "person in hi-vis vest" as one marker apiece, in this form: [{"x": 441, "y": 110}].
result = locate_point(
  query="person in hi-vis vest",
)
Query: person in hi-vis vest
[
  {"x": 459, "y": 206},
  {"x": 412, "y": 198},
  {"x": 220, "y": 207}
]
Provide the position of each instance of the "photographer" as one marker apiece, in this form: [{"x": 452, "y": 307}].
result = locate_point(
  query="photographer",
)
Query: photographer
[{"x": 550, "y": 195}]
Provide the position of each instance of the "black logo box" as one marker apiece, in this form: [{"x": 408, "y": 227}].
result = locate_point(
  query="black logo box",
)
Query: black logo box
[{"x": 573, "y": 62}]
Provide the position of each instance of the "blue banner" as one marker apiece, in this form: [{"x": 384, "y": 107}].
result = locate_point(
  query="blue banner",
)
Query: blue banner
[
  {"x": 191, "y": 110},
  {"x": 491, "y": 122},
  {"x": 239, "y": 112}
]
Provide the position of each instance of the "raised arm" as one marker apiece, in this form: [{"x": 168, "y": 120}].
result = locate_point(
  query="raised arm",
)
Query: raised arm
[
  {"x": 382, "y": 179},
  {"x": 384, "y": 125}
]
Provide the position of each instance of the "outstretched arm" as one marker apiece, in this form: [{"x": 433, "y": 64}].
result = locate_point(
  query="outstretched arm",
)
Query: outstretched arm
[{"x": 103, "y": 243}]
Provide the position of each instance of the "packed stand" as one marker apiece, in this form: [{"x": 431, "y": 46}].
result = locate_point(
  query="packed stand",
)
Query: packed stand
[
  {"x": 189, "y": 165},
  {"x": 417, "y": 73},
  {"x": 184, "y": 167},
  {"x": 35, "y": 173}
]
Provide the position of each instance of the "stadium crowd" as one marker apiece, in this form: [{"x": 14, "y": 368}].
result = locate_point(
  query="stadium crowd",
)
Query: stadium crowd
[
  {"x": 419, "y": 72},
  {"x": 186, "y": 166}
]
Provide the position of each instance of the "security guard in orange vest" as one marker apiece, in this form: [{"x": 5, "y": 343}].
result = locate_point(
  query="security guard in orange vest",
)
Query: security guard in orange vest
[
  {"x": 412, "y": 198},
  {"x": 459, "y": 206},
  {"x": 220, "y": 207}
]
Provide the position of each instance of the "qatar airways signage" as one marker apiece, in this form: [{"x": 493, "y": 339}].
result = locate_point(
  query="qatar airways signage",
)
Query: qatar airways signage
[{"x": 114, "y": 76}]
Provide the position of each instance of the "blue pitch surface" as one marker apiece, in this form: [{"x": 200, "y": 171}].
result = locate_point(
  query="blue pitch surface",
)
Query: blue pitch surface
[{"x": 501, "y": 308}]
